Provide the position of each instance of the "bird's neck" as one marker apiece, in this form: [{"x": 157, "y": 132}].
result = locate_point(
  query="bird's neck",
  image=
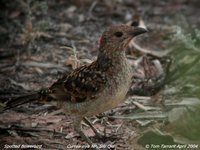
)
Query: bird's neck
[{"x": 111, "y": 59}]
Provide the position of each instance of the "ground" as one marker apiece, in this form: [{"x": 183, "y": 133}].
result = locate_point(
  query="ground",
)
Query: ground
[{"x": 40, "y": 40}]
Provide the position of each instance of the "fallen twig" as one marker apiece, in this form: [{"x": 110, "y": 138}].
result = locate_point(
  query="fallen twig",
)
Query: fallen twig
[
  {"x": 145, "y": 108},
  {"x": 43, "y": 65},
  {"x": 142, "y": 116},
  {"x": 158, "y": 54},
  {"x": 29, "y": 129}
]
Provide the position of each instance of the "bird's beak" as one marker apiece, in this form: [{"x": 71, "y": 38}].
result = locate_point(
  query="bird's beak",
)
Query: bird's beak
[{"x": 138, "y": 31}]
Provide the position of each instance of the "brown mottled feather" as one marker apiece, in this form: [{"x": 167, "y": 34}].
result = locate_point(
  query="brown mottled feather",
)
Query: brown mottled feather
[{"x": 81, "y": 85}]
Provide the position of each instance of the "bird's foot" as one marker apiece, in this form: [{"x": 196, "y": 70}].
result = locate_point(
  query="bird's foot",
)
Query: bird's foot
[{"x": 97, "y": 132}]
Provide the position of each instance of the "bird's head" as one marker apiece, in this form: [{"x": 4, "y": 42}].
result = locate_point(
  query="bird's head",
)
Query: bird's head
[{"x": 117, "y": 37}]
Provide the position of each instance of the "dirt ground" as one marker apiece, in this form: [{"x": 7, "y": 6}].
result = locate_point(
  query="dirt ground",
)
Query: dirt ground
[{"x": 40, "y": 40}]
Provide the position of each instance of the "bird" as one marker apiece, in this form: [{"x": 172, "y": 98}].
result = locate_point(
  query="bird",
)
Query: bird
[{"x": 94, "y": 88}]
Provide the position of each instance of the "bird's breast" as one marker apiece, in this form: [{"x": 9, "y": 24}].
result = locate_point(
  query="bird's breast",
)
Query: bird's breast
[{"x": 116, "y": 89}]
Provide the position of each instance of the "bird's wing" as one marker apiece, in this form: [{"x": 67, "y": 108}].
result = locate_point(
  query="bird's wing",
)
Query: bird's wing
[{"x": 81, "y": 85}]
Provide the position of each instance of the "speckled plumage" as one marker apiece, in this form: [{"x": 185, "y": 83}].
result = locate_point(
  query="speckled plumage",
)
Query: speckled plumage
[{"x": 100, "y": 86}]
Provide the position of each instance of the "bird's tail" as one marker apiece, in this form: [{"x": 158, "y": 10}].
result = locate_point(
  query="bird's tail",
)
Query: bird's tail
[{"x": 17, "y": 101}]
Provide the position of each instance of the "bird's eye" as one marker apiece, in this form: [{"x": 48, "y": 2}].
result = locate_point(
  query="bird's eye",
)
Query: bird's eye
[{"x": 118, "y": 34}]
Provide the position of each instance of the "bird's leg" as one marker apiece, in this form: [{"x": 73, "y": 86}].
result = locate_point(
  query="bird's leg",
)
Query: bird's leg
[
  {"x": 77, "y": 127},
  {"x": 98, "y": 134}
]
